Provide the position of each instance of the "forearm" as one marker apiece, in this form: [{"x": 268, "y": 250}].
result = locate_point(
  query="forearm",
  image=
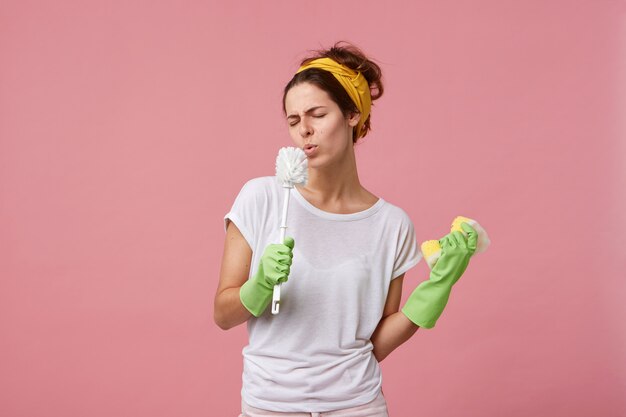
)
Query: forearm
[
  {"x": 392, "y": 331},
  {"x": 229, "y": 311}
]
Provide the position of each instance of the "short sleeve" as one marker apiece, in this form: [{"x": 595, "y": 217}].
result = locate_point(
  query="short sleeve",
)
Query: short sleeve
[
  {"x": 242, "y": 212},
  {"x": 408, "y": 252}
]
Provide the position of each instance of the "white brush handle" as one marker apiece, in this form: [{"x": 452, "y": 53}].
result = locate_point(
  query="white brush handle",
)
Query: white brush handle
[{"x": 283, "y": 231}]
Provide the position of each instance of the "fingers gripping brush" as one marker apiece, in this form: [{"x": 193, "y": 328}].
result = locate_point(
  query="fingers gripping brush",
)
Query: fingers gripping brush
[{"x": 291, "y": 169}]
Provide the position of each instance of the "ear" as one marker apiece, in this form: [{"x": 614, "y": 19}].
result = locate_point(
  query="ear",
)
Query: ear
[{"x": 354, "y": 118}]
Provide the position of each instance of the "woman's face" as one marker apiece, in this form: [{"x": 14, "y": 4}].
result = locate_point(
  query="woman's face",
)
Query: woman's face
[{"x": 317, "y": 125}]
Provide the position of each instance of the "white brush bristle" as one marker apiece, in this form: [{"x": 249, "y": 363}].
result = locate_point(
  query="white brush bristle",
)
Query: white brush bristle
[{"x": 291, "y": 166}]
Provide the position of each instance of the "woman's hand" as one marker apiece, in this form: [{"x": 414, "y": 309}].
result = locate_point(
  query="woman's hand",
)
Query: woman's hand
[
  {"x": 274, "y": 268},
  {"x": 456, "y": 251},
  {"x": 429, "y": 299},
  {"x": 238, "y": 295}
]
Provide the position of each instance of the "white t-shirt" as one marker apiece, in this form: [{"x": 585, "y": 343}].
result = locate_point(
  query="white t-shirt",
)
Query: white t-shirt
[{"x": 316, "y": 354}]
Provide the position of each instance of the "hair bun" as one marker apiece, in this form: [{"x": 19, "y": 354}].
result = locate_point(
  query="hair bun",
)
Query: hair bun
[{"x": 352, "y": 57}]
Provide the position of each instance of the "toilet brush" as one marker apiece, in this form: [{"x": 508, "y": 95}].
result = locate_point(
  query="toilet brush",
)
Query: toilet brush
[{"x": 291, "y": 169}]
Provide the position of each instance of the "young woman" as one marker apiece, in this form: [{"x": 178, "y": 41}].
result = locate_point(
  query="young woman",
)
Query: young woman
[{"x": 342, "y": 267}]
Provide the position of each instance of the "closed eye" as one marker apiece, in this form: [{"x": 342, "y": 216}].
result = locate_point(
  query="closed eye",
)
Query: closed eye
[{"x": 295, "y": 117}]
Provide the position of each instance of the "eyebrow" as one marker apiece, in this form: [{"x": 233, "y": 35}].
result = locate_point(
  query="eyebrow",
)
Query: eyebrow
[{"x": 306, "y": 111}]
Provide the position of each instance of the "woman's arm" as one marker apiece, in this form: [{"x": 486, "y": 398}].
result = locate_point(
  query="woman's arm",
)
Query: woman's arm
[
  {"x": 394, "y": 328},
  {"x": 228, "y": 311}
]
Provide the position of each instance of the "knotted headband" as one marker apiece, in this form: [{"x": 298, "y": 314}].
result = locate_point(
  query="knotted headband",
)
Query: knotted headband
[{"x": 352, "y": 81}]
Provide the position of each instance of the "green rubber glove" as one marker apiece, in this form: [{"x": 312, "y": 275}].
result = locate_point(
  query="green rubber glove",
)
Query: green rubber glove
[
  {"x": 428, "y": 300},
  {"x": 274, "y": 268}
]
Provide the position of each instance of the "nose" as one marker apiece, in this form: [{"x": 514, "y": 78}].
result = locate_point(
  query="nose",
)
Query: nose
[{"x": 305, "y": 128}]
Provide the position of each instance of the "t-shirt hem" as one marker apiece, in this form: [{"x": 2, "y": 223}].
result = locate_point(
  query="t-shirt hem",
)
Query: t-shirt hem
[
  {"x": 299, "y": 407},
  {"x": 406, "y": 267}
]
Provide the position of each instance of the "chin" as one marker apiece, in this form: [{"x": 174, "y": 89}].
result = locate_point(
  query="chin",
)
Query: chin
[
  {"x": 321, "y": 162},
  {"x": 316, "y": 162}
]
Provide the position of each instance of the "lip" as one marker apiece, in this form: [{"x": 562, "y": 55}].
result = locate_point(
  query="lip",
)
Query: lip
[{"x": 310, "y": 149}]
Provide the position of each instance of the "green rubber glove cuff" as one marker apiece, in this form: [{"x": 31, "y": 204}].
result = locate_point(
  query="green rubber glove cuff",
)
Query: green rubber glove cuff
[
  {"x": 255, "y": 296},
  {"x": 426, "y": 303}
]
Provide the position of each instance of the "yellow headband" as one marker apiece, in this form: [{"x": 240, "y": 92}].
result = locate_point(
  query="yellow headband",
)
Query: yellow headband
[{"x": 352, "y": 81}]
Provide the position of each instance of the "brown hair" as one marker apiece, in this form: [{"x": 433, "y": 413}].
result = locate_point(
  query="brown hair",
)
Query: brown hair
[{"x": 353, "y": 58}]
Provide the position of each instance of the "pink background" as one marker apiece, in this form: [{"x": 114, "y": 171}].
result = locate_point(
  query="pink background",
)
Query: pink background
[{"x": 128, "y": 127}]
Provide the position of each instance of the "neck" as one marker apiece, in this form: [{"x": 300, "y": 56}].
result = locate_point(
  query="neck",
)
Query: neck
[{"x": 335, "y": 182}]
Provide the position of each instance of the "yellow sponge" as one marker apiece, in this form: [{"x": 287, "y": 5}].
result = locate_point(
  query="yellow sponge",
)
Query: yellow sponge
[
  {"x": 456, "y": 223},
  {"x": 432, "y": 250}
]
